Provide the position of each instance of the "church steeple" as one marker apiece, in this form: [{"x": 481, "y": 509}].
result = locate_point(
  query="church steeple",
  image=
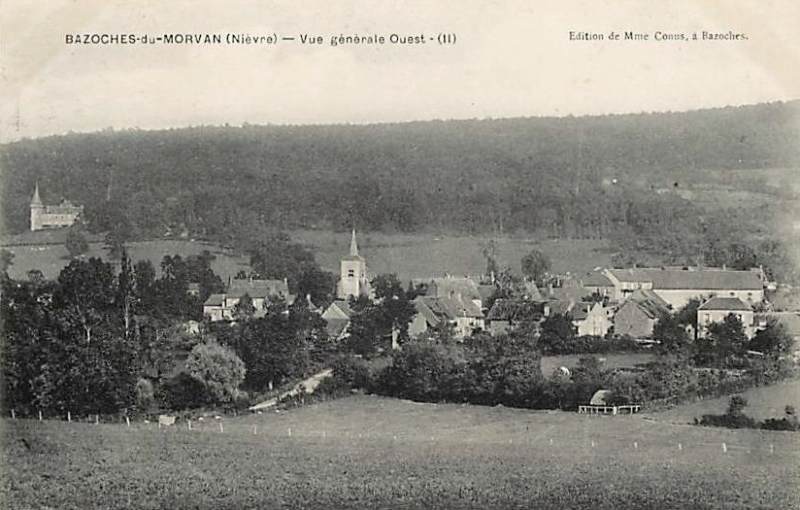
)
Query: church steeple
[
  {"x": 36, "y": 201},
  {"x": 353, "y": 245}
]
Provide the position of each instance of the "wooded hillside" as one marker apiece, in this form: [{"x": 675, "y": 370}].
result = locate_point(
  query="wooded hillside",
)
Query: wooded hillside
[{"x": 600, "y": 176}]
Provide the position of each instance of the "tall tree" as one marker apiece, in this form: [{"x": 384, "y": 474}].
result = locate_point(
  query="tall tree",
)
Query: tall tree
[{"x": 535, "y": 266}]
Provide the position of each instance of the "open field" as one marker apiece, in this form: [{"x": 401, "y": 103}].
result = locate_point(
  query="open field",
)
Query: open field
[
  {"x": 51, "y": 259},
  {"x": 763, "y": 402},
  {"x": 609, "y": 361},
  {"x": 420, "y": 255},
  {"x": 409, "y": 256},
  {"x": 370, "y": 452}
]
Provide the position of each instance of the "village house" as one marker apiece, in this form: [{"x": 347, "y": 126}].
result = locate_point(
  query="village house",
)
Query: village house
[
  {"x": 637, "y": 316},
  {"x": 677, "y": 286},
  {"x": 716, "y": 309},
  {"x": 590, "y": 319},
  {"x": 52, "y": 216},
  {"x": 434, "y": 312},
  {"x": 220, "y": 307},
  {"x": 506, "y": 314},
  {"x": 453, "y": 286},
  {"x": 337, "y": 319},
  {"x": 598, "y": 283}
]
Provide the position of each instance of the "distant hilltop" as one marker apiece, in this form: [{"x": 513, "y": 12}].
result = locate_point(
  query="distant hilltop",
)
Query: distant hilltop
[{"x": 466, "y": 176}]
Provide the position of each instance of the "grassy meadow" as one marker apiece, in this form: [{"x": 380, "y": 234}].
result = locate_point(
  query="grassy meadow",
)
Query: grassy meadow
[
  {"x": 420, "y": 255},
  {"x": 371, "y": 452},
  {"x": 763, "y": 402},
  {"x": 409, "y": 256}
]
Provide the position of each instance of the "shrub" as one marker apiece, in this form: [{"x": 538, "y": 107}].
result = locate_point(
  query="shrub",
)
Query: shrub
[
  {"x": 351, "y": 372},
  {"x": 218, "y": 369},
  {"x": 734, "y": 418},
  {"x": 183, "y": 392}
]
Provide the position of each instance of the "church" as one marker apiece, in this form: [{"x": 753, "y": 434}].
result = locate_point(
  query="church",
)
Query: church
[
  {"x": 353, "y": 280},
  {"x": 52, "y": 216}
]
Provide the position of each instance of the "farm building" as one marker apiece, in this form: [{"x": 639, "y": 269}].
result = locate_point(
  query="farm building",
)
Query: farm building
[{"x": 677, "y": 286}]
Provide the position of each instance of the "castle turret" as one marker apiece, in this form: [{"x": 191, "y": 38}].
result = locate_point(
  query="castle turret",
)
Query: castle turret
[{"x": 37, "y": 208}]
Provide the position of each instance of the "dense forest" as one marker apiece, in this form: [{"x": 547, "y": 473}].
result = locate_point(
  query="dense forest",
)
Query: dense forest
[{"x": 602, "y": 176}]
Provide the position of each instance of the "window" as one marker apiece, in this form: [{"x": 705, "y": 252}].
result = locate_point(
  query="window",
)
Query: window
[{"x": 351, "y": 273}]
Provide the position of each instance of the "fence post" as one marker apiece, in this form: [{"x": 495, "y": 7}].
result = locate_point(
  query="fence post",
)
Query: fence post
[
  {"x": 635, "y": 445},
  {"x": 127, "y": 421},
  {"x": 220, "y": 427},
  {"x": 771, "y": 448},
  {"x": 13, "y": 415},
  {"x": 290, "y": 431},
  {"x": 680, "y": 447},
  {"x": 40, "y": 415},
  {"x": 255, "y": 430},
  {"x": 97, "y": 419},
  {"x": 724, "y": 448},
  {"x": 592, "y": 444},
  {"x": 189, "y": 424},
  {"x": 69, "y": 417}
]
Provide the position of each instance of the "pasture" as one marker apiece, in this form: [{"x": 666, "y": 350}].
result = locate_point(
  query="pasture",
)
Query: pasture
[
  {"x": 609, "y": 361},
  {"x": 50, "y": 259},
  {"x": 421, "y": 255},
  {"x": 763, "y": 402},
  {"x": 409, "y": 256},
  {"x": 371, "y": 452}
]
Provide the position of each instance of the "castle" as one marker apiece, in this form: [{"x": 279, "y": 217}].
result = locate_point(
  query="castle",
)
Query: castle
[
  {"x": 353, "y": 280},
  {"x": 52, "y": 216}
]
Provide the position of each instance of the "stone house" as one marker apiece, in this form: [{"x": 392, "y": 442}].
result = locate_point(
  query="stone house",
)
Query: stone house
[
  {"x": 716, "y": 309},
  {"x": 637, "y": 316}
]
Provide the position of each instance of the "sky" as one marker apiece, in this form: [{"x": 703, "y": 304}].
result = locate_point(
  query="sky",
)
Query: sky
[{"x": 510, "y": 59}]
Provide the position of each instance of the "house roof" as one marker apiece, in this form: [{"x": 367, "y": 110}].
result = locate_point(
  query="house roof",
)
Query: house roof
[
  {"x": 342, "y": 305},
  {"x": 215, "y": 300},
  {"x": 725, "y": 303},
  {"x": 336, "y": 327},
  {"x": 450, "y": 308},
  {"x": 486, "y": 291},
  {"x": 258, "y": 288},
  {"x": 649, "y": 302},
  {"x": 508, "y": 310},
  {"x": 450, "y": 287},
  {"x": 694, "y": 279},
  {"x": 596, "y": 279}
]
